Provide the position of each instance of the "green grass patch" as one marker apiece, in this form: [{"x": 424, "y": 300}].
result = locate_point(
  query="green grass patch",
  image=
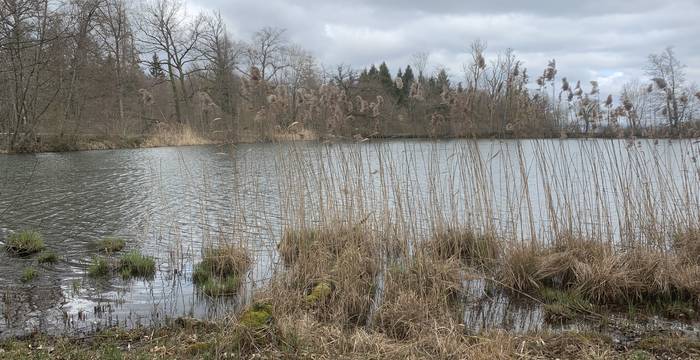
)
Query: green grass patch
[
  {"x": 257, "y": 316},
  {"x": 220, "y": 271},
  {"x": 99, "y": 268},
  {"x": 134, "y": 264},
  {"x": 111, "y": 245},
  {"x": 24, "y": 243},
  {"x": 47, "y": 257},
  {"x": 29, "y": 274},
  {"x": 562, "y": 306}
]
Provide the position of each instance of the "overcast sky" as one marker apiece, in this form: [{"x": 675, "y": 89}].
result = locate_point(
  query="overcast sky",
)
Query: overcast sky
[{"x": 604, "y": 40}]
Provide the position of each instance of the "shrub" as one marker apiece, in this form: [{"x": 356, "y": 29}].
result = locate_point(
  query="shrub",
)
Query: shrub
[{"x": 24, "y": 243}]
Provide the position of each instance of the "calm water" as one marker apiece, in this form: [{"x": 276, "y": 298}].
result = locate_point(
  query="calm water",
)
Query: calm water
[{"x": 170, "y": 202}]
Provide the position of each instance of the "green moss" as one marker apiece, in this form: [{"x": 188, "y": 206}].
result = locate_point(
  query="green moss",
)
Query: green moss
[
  {"x": 257, "y": 316},
  {"x": 111, "y": 245},
  {"x": 215, "y": 286},
  {"x": 29, "y": 274},
  {"x": 220, "y": 271},
  {"x": 24, "y": 243},
  {"x": 99, "y": 268},
  {"x": 135, "y": 264},
  {"x": 47, "y": 257},
  {"x": 320, "y": 293}
]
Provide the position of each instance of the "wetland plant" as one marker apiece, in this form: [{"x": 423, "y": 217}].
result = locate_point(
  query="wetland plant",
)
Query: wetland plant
[
  {"x": 220, "y": 271},
  {"x": 24, "y": 243},
  {"x": 136, "y": 265},
  {"x": 111, "y": 245},
  {"x": 29, "y": 274},
  {"x": 47, "y": 257},
  {"x": 99, "y": 268}
]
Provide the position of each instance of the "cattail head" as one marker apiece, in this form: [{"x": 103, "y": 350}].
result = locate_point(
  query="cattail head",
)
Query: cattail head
[
  {"x": 684, "y": 99},
  {"x": 551, "y": 71},
  {"x": 594, "y": 87},
  {"x": 565, "y": 84},
  {"x": 609, "y": 101},
  {"x": 697, "y": 95},
  {"x": 627, "y": 104},
  {"x": 650, "y": 88},
  {"x": 540, "y": 81}
]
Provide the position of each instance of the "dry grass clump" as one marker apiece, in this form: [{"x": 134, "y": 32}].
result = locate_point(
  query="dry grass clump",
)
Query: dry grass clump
[
  {"x": 342, "y": 259},
  {"x": 519, "y": 268},
  {"x": 598, "y": 273},
  {"x": 174, "y": 135},
  {"x": 220, "y": 271},
  {"x": 465, "y": 244},
  {"x": 417, "y": 293},
  {"x": 686, "y": 243}
]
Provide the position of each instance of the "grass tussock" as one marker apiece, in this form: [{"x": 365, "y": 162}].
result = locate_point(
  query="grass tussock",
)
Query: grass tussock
[
  {"x": 331, "y": 270},
  {"x": 464, "y": 244},
  {"x": 99, "y": 268},
  {"x": 417, "y": 294},
  {"x": 686, "y": 243},
  {"x": 174, "y": 135},
  {"x": 29, "y": 274},
  {"x": 598, "y": 273},
  {"x": 110, "y": 245},
  {"x": 221, "y": 269},
  {"x": 136, "y": 265},
  {"x": 47, "y": 257},
  {"x": 24, "y": 243}
]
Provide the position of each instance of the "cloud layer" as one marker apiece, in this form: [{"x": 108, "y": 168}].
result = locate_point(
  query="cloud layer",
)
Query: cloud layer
[{"x": 599, "y": 40}]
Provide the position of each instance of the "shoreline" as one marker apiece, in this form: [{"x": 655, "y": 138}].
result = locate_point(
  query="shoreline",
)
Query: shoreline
[{"x": 145, "y": 142}]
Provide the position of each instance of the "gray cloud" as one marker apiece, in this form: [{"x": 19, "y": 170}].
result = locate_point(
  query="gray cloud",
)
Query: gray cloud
[{"x": 599, "y": 40}]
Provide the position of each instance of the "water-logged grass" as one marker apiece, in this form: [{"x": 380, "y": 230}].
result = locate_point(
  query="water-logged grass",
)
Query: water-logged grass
[{"x": 24, "y": 243}]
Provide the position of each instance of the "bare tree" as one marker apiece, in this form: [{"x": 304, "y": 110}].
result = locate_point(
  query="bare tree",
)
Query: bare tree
[
  {"x": 419, "y": 61},
  {"x": 165, "y": 28},
  {"x": 28, "y": 51},
  {"x": 115, "y": 32},
  {"x": 267, "y": 53},
  {"x": 668, "y": 75}
]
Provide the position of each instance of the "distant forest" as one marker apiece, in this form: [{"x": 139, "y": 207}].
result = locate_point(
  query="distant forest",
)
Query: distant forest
[{"x": 123, "y": 68}]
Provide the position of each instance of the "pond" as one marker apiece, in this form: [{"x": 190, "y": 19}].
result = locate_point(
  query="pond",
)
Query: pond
[{"x": 170, "y": 203}]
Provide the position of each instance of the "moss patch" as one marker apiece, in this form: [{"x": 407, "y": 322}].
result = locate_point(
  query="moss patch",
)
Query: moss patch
[
  {"x": 320, "y": 292},
  {"x": 257, "y": 316},
  {"x": 220, "y": 271}
]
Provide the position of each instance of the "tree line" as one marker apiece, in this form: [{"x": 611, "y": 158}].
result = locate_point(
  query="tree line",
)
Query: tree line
[{"x": 74, "y": 68}]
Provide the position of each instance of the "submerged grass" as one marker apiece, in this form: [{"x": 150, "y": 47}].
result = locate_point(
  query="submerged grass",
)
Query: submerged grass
[{"x": 24, "y": 243}]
